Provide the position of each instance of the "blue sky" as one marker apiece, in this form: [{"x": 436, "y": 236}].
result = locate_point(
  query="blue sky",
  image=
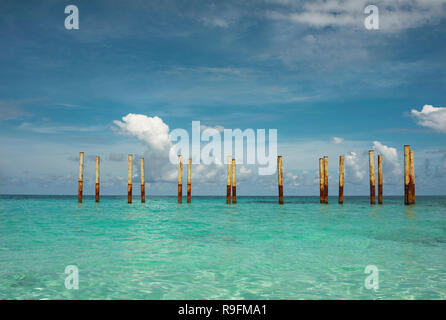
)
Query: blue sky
[{"x": 309, "y": 69}]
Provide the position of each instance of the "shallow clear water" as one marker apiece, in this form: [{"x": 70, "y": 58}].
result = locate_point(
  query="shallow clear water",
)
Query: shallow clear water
[{"x": 255, "y": 249}]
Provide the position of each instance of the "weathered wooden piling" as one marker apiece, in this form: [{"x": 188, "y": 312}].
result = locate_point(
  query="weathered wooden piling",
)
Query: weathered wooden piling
[
  {"x": 325, "y": 179},
  {"x": 143, "y": 182},
  {"x": 228, "y": 181},
  {"x": 81, "y": 177},
  {"x": 321, "y": 180},
  {"x": 129, "y": 178},
  {"x": 341, "y": 179},
  {"x": 280, "y": 178},
  {"x": 234, "y": 185},
  {"x": 180, "y": 179},
  {"x": 97, "y": 178},
  {"x": 372, "y": 176},
  {"x": 189, "y": 167},
  {"x": 380, "y": 179},
  {"x": 411, "y": 178},
  {"x": 406, "y": 173}
]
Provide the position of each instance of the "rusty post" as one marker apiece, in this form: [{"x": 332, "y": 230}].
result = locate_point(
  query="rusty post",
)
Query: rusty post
[
  {"x": 325, "y": 179},
  {"x": 143, "y": 182},
  {"x": 321, "y": 180},
  {"x": 380, "y": 179},
  {"x": 129, "y": 178},
  {"x": 372, "y": 176},
  {"x": 280, "y": 178},
  {"x": 341, "y": 179},
  {"x": 406, "y": 173},
  {"x": 180, "y": 179},
  {"x": 228, "y": 181},
  {"x": 81, "y": 177},
  {"x": 189, "y": 167},
  {"x": 411, "y": 178},
  {"x": 234, "y": 185},
  {"x": 97, "y": 178}
]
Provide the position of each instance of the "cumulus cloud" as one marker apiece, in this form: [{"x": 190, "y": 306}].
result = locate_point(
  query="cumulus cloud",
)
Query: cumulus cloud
[
  {"x": 354, "y": 172},
  {"x": 150, "y": 130},
  {"x": 336, "y": 140},
  {"x": 357, "y": 169},
  {"x": 154, "y": 134},
  {"x": 431, "y": 117},
  {"x": 391, "y": 166}
]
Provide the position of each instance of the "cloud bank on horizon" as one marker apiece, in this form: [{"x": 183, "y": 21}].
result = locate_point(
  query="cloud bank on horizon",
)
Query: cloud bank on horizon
[{"x": 154, "y": 133}]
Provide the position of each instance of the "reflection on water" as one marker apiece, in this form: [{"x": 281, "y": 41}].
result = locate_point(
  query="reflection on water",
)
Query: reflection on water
[{"x": 409, "y": 212}]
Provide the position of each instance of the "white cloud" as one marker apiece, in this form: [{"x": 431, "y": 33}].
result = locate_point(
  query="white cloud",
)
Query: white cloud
[
  {"x": 391, "y": 166},
  {"x": 354, "y": 172},
  {"x": 431, "y": 117},
  {"x": 296, "y": 180},
  {"x": 151, "y": 130},
  {"x": 394, "y": 15},
  {"x": 357, "y": 169},
  {"x": 245, "y": 171},
  {"x": 154, "y": 133},
  {"x": 315, "y": 18},
  {"x": 336, "y": 140}
]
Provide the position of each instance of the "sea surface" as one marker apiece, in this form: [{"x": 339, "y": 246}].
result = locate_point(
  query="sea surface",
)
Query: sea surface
[{"x": 255, "y": 249}]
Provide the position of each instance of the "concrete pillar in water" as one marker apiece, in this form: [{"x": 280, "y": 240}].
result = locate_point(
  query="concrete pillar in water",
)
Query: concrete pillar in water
[
  {"x": 380, "y": 179},
  {"x": 372, "y": 176},
  {"x": 143, "y": 182},
  {"x": 180, "y": 179},
  {"x": 280, "y": 178},
  {"x": 411, "y": 178},
  {"x": 129, "y": 178},
  {"x": 81, "y": 177},
  {"x": 321, "y": 180},
  {"x": 341, "y": 179},
  {"x": 189, "y": 167},
  {"x": 325, "y": 179},
  {"x": 228, "y": 181},
  {"x": 234, "y": 185},
  {"x": 406, "y": 173},
  {"x": 97, "y": 178}
]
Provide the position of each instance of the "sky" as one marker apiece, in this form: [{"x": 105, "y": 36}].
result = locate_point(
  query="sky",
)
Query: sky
[{"x": 136, "y": 70}]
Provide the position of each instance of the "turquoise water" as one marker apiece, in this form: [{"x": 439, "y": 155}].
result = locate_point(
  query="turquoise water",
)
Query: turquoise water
[{"x": 255, "y": 249}]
